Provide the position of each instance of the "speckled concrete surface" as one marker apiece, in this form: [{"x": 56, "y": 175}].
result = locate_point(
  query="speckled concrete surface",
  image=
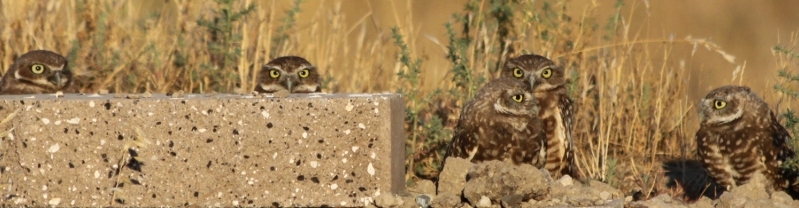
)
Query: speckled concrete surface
[{"x": 205, "y": 150}]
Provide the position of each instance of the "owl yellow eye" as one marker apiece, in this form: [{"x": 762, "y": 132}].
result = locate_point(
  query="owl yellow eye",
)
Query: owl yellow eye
[
  {"x": 547, "y": 73},
  {"x": 719, "y": 104},
  {"x": 518, "y": 98},
  {"x": 274, "y": 73},
  {"x": 38, "y": 68},
  {"x": 304, "y": 73},
  {"x": 518, "y": 73}
]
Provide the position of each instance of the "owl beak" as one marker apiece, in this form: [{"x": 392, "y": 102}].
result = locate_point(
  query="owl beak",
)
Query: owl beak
[
  {"x": 289, "y": 85},
  {"x": 532, "y": 82},
  {"x": 56, "y": 78}
]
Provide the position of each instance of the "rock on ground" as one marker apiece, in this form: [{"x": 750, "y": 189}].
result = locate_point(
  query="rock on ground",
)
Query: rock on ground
[
  {"x": 387, "y": 200},
  {"x": 446, "y": 200},
  {"x": 593, "y": 193},
  {"x": 452, "y": 178},
  {"x": 497, "y": 180},
  {"x": 663, "y": 200},
  {"x": 703, "y": 202},
  {"x": 423, "y": 187},
  {"x": 752, "y": 194},
  {"x": 501, "y": 184}
]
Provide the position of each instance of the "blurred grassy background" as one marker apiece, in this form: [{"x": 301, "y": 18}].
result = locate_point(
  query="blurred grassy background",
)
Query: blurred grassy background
[{"x": 637, "y": 68}]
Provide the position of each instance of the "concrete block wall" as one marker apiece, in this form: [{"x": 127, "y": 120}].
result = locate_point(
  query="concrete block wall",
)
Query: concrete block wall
[{"x": 203, "y": 150}]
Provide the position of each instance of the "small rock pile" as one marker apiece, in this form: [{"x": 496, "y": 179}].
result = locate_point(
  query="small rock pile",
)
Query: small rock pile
[
  {"x": 499, "y": 184},
  {"x": 752, "y": 194}
]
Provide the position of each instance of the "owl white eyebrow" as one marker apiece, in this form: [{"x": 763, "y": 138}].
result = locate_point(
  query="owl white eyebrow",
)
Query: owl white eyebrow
[
  {"x": 59, "y": 68},
  {"x": 545, "y": 67},
  {"x": 273, "y": 67}
]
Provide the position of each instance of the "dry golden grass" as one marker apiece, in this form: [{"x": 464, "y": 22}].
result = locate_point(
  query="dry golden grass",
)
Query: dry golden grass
[
  {"x": 132, "y": 46},
  {"x": 633, "y": 110}
]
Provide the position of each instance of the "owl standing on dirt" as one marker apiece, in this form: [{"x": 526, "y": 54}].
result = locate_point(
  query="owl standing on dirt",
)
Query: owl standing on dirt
[
  {"x": 500, "y": 123},
  {"x": 739, "y": 136},
  {"x": 38, "y": 72},
  {"x": 291, "y": 73},
  {"x": 549, "y": 87}
]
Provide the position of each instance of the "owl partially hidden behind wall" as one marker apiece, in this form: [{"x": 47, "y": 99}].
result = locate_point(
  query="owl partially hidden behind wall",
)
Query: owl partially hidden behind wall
[
  {"x": 500, "y": 123},
  {"x": 38, "y": 72},
  {"x": 548, "y": 84},
  {"x": 291, "y": 73},
  {"x": 738, "y": 136}
]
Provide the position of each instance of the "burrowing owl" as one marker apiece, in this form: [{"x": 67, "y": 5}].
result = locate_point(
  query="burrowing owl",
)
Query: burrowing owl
[
  {"x": 291, "y": 73},
  {"x": 38, "y": 72},
  {"x": 555, "y": 106},
  {"x": 500, "y": 123},
  {"x": 738, "y": 136}
]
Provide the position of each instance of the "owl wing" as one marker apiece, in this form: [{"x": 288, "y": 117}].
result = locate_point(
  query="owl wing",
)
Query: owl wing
[
  {"x": 463, "y": 140},
  {"x": 781, "y": 140},
  {"x": 567, "y": 113}
]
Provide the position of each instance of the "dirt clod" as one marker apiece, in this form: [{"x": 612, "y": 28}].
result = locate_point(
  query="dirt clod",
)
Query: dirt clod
[
  {"x": 484, "y": 202},
  {"x": 495, "y": 180},
  {"x": 501, "y": 184},
  {"x": 386, "y": 200},
  {"x": 512, "y": 200},
  {"x": 703, "y": 202},
  {"x": 452, "y": 179},
  {"x": 446, "y": 200},
  {"x": 423, "y": 187}
]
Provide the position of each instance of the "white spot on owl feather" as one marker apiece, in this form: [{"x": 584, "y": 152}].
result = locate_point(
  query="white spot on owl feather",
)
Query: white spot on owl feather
[{"x": 472, "y": 152}]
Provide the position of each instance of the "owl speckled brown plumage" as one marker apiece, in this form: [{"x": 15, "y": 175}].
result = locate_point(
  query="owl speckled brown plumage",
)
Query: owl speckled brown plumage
[
  {"x": 500, "y": 123},
  {"x": 556, "y": 110},
  {"x": 38, "y": 72},
  {"x": 738, "y": 136},
  {"x": 291, "y": 73}
]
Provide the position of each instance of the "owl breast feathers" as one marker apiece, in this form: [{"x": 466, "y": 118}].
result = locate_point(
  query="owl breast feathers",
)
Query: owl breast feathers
[
  {"x": 38, "y": 72},
  {"x": 500, "y": 123},
  {"x": 740, "y": 136}
]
